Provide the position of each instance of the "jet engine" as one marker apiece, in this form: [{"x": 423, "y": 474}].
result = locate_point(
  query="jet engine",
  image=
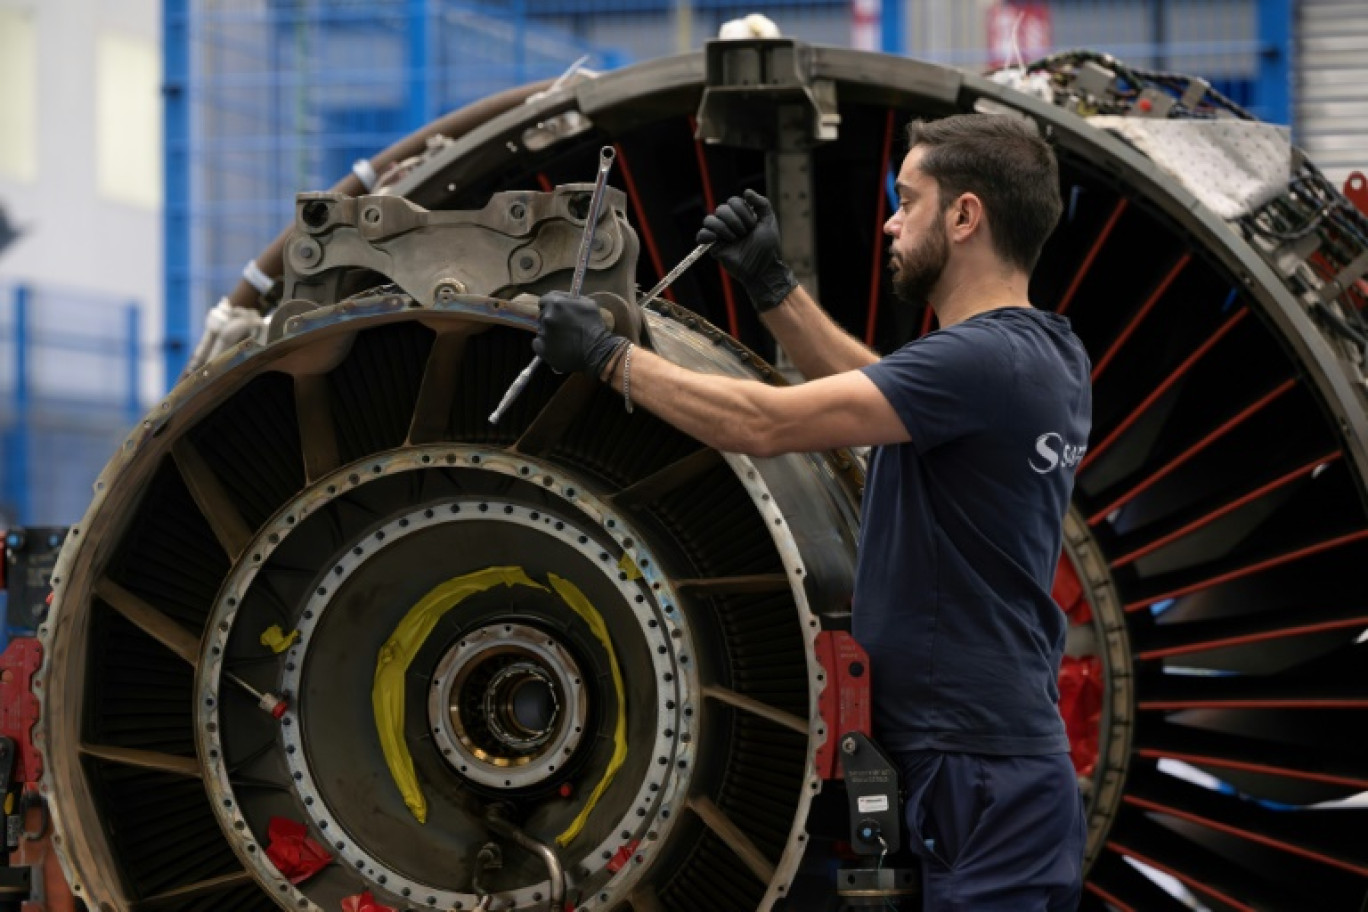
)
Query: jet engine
[{"x": 326, "y": 631}]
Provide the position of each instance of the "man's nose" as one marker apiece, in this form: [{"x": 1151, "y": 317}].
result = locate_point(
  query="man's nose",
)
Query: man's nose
[{"x": 891, "y": 226}]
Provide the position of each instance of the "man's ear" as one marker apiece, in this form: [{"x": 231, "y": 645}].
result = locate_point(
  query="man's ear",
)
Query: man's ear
[{"x": 966, "y": 216}]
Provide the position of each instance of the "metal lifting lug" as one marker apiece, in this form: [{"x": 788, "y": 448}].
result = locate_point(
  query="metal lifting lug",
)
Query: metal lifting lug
[{"x": 753, "y": 85}]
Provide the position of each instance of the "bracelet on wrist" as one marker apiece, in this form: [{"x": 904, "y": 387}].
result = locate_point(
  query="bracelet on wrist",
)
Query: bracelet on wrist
[{"x": 611, "y": 363}]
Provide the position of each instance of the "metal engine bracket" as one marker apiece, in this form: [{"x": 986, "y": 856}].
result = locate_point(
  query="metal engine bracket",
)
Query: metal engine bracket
[{"x": 518, "y": 242}]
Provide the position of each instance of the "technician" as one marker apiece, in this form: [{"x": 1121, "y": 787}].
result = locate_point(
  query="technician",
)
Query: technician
[{"x": 978, "y": 429}]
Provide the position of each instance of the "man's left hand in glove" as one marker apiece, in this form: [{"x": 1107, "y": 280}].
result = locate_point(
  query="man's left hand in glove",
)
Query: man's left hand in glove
[{"x": 571, "y": 335}]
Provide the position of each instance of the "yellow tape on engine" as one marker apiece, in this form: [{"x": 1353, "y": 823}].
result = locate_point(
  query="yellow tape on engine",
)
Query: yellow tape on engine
[
  {"x": 277, "y": 640},
  {"x": 387, "y": 694},
  {"x": 629, "y": 567},
  {"x": 570, "y": 593}
]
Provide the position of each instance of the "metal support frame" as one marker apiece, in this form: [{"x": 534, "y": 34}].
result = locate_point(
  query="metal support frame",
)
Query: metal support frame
[
  {"x": 15, "y": 438},
  {"x": 133, "y": 326},
  {"x": 176, "y": 205},
  {"x": 35, "y": 405},
  {"x": 1273, "y": 90},
  {"x": 789, "y": 182},
  {"x": 1159, "y": 24},
  {"x": 520, "y": 75},
  {"x": 893, "y": 38},
  {"x": 420, "y": 46},
  {"x": 788, "y": 172},
  {"x": 761, "y": 94}
]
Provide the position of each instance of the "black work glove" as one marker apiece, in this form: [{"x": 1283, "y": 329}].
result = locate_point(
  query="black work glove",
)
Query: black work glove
[
  {"x": 571, "y": 335},
  {"x": 746, "y": 242}
]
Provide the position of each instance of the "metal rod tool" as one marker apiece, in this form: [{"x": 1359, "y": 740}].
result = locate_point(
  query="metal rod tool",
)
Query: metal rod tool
[
  {"x": 606, "y": 156},
  {"x": 675, "y": 273},
  {"x": 586, "y": 250}
]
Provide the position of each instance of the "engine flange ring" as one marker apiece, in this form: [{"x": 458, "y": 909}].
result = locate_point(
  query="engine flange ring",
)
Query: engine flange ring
[
  {"x": 505, "y": 675},
  {"x": 579, "y": 521}
]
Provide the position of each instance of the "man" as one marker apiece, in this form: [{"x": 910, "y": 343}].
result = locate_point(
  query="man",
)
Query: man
[{"x": 978, "y": 428}]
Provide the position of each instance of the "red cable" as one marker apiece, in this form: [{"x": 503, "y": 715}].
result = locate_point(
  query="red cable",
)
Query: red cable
[
  {"x": 1092, "y": 255},
  {"x": 1226, "y": 510},
  {"x": 881, "y": 211},
  {"x": 1162, "y": 388},
  {"x": 1226, "y": 763},
  {"x": 1192, "y": 451},
  {"x": 1245, "y": 834},
  {"x": 927, "y": 316},
  {"x": 646, "y": 234},
  {"x": 1185, "y": 878},
  {"x": 710, "y": 202},
  {"x": 1107, "y": 897},
  {"x": 1140, "y": 315},
  {"x": 1241, "y": 572}
]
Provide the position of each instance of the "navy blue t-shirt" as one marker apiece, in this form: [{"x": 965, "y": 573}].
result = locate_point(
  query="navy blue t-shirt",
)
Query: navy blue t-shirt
[{"x": 961, "y": 531}]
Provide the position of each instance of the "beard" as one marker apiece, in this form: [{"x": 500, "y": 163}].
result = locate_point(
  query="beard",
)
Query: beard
[{"x": 916, "y": 274}]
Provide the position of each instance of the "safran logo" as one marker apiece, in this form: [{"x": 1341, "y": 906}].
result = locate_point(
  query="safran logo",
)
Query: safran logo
[{"x": 1051, "y": 452}]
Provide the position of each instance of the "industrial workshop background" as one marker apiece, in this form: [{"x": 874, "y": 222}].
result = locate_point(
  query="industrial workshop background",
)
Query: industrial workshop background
[{"x": 206, "y": 116}]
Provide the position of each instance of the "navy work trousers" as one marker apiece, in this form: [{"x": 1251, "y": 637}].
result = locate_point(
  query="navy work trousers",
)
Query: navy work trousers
[{"x": 995, "y": 834}]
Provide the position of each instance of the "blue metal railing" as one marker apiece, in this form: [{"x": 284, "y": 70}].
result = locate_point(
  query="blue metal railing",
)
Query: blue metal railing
[
  {"x": 70, "y": 376},
  {"x": 1274, "y": 81},
  {"x": 265, "y": 98},
  {"x": 14, "y": 489},
  {"x": 176, "y": 344}
]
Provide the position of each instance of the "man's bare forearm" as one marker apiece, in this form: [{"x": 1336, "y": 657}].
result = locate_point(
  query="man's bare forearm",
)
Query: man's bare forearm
[
  {"x": 754, "y": 418},
  {"x": 722, "y": 412},
  {"x": 814, "y": 342}
]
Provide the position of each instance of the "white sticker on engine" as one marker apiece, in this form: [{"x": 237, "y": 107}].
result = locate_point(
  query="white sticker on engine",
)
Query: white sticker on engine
[{"x": 870, "y": 804}]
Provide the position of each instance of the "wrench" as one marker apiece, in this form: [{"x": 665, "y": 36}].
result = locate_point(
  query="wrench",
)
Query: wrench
[{"x": 606, "y": 156}]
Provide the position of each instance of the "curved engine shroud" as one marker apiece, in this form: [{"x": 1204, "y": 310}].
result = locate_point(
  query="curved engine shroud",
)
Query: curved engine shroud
[{"x": 317, "y": 591}]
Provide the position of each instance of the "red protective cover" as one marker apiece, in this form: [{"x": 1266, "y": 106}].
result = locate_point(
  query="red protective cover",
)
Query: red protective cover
[
  {"x": 18, "y": 705},
  {"x": 1080, "y": 679},
  {"x": 844, "y": 703},
  {"x": 363, "y": 902},
  {"x": 294, "y": 853}
]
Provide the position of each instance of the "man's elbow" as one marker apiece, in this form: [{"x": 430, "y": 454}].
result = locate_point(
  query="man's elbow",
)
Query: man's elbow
[
  {"x": 762, "y": 449},
  {"x": 761, "y": 439},
  {"x": 745, "y": 443}
]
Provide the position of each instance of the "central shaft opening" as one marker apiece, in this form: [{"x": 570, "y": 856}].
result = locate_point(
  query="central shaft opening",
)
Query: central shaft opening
[{"x": 520, "y": 705}]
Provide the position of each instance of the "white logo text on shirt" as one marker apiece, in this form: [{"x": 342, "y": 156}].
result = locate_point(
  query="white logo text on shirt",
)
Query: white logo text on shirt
[{"x": 1051, "y": 452}]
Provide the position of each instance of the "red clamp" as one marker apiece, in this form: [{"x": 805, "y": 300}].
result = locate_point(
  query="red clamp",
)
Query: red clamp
[
  {"x": 845, "y": 701},
  {"x": 18, "y": 705}
]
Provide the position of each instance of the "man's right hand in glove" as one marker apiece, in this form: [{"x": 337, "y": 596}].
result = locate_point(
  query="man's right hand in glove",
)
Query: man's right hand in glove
[
  {"x": 571, "y": 335},
  {"x": 745, "y": 238}
]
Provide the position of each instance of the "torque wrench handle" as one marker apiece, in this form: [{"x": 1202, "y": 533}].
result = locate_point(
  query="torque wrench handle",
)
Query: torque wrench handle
[
  {"x": 675, "y": 273},
  {"x": 586, "y": 250},
  {"x": 606, "y": 156}
]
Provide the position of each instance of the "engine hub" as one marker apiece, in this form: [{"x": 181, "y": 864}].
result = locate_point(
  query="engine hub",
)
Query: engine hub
[{"x": 507, "y": 702}]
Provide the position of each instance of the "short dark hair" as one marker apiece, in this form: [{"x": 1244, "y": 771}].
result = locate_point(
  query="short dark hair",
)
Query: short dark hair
[{"x": 1003, "y": 161}]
